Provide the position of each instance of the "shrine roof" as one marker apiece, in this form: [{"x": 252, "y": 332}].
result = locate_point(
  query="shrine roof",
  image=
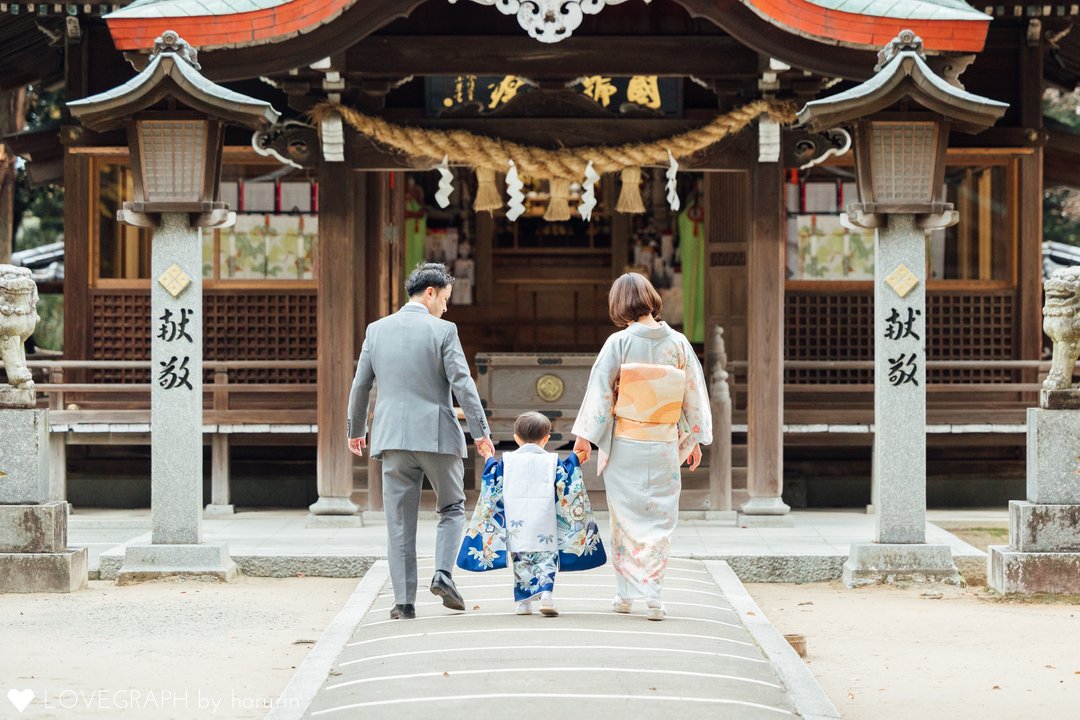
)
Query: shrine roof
[{"x": 944, "y": 25}]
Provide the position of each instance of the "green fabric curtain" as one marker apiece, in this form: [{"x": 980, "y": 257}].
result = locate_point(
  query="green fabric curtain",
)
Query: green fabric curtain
[
  {"x": 692, "y": 254},
  {"x": 415, "y": 232}
]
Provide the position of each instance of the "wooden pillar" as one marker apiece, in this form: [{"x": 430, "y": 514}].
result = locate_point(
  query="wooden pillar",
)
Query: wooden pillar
[
  {"x": 336, "y": 352},
  {"x": 765, "y": 404},
  {"x": 78, "y": 309},
  {"x": 220, "y": 490},
  {"x": 1029, "y": 270}
]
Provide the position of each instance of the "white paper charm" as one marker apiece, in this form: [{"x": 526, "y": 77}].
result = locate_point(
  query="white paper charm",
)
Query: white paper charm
[
  {"x": 446, "y": 182},
  {"x": 588, "y": 193},
  {"x": 514, "y": 187},
  {"x": 672, "y": 193}
]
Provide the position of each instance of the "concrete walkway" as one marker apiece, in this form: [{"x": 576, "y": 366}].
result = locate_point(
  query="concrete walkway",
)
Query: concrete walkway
[
  {"x": 714, "y": 656},
  {"x": 280, "y": 543}
]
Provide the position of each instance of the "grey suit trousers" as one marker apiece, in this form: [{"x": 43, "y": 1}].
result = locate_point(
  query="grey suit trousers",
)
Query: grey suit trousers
[{"x": 403, "y": 474}]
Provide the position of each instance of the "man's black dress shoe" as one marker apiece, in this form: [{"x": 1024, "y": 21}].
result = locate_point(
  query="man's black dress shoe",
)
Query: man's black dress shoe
[
  {"x": 403, "y": 612},
  {"x": 443, "y": 586}
]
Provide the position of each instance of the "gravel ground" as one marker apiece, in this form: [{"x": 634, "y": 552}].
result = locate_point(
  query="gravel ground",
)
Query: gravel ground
[
  {"x": 168, "y": 649},
  {"x": 934, "y": 652}
]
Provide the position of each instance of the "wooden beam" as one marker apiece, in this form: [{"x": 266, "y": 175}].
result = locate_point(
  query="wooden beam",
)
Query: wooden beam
[
  {"x": 765, "y": 402},
  {"x": 335, "y": 347},
  {"x": 701, "y": 56}
]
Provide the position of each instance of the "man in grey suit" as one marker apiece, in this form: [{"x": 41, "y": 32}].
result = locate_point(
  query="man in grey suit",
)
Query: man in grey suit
[{"x": 417, "y": 360}]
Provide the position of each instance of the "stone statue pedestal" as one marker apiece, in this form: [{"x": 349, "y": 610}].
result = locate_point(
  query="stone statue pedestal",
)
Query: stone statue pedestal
[
  {"x": 34, "y": 556},
  {"x": 1043, "y": 554},
  {"x": 877, "y": 563}
]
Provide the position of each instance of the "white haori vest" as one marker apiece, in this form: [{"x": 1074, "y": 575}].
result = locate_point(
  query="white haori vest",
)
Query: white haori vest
[{"x": 529, "y": 499}]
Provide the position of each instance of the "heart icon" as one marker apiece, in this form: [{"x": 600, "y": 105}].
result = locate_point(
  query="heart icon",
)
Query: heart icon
[{"x": 20, "y": 698}]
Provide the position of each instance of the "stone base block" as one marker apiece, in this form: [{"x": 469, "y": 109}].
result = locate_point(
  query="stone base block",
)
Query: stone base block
[
  {"x": 764, "y": 506},
  {"x": 882, "y": 563},
  {"x": 11, "y": 397},
  {"x": 208, "y": 561},
  {"x": 1043, "y": 528},
  {"x": 334, "y": 521},
  {"x": 60, "y": 572},
  {"x": 764, "y": 521},
  {"x": 1053, "y": 444},
  {"x": 219, "y": 510},
  {"x": 1011, "y": 571},
  {"x": 1060, "y": 399},
  {"x": 33, "y": 528},
  {"x": 333, "y": 506},
  {"x": 24, "y": 456}
]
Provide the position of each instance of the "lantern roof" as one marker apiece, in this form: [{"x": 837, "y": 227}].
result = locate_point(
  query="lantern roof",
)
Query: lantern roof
[
  {"x": 902, "y": 73},
  {"x": 173, "y": 71}
]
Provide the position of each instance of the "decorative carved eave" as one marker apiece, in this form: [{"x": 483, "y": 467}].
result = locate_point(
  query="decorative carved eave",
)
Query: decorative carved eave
[
  {"x": 169, "y": 74},
  {"x": 905, "y": 76}
]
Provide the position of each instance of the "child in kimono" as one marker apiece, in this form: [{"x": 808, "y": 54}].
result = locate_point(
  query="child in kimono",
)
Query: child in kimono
[{"x": 533, "y": 514}]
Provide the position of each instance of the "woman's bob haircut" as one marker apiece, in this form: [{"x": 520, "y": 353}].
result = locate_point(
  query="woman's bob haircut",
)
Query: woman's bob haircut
[{"x": 631, "y": 297}]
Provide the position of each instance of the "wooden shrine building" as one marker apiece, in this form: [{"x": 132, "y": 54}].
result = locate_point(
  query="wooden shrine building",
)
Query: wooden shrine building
[{"x": 322, "y": 243}]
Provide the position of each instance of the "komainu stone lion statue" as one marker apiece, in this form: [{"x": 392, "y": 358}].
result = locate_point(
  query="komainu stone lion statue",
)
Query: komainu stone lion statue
[
  {"x": 18, "y": 317},
  {"x": 1061, "y": 321}
]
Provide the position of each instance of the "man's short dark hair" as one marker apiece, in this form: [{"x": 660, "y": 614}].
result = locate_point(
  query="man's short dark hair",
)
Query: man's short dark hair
[
  {"x": 425, "y": 275},
  {"x": 532, "y": 427}
]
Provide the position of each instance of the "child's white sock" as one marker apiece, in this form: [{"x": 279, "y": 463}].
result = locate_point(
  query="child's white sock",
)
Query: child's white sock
[{"x": 524, "y": 607}]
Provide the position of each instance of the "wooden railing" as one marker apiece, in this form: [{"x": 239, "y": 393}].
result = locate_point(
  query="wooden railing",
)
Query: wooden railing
[
  {"x": 952, "y": 401},
  {"x": 223, "y": 401}
]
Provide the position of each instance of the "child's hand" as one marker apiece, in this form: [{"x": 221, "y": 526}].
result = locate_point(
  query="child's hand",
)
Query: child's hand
[
  {"x": 583, "y": 449},
  {"x": 484, "y": 448}
]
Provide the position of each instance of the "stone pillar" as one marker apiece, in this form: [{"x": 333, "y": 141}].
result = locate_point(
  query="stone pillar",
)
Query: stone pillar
[
  {"x": 899, "y": 551},
  {"x": 176, "y": 409},
  {"x": 1043, "y": 554},
  {"x": 34, "y": 556}
]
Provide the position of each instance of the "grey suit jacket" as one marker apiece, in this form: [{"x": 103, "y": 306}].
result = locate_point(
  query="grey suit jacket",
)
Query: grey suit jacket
[{"x": 418, "y": 361}]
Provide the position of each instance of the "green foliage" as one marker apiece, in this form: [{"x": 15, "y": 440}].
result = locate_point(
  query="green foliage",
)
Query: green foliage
[
  {"x": 39, "y": 215},
  {"x": 1061, "y": 215}
]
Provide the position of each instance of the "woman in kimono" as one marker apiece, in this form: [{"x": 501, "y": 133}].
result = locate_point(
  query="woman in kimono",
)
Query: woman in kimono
[{"x": 646, "y": 409}]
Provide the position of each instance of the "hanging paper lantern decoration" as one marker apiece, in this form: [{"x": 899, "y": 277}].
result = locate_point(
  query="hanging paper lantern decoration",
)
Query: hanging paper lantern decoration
[
  {"x": 588, "y": 193},
  {"x": 487, "y": 195},
  {"x": 672, "y": 192},
  {"x": 630, "y": 192},
  {"x": 446, "y": 182},
  {"x": 514, "y": 188}
]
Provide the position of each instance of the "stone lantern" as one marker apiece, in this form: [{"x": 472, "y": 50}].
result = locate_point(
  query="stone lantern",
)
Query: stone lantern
[
  {"x": 901, "y": 118},
  {"x": 175, "y": 120}
]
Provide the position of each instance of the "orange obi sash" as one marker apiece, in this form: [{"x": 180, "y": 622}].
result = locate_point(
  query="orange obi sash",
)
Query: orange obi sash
[{"x": 649, "y": 402}]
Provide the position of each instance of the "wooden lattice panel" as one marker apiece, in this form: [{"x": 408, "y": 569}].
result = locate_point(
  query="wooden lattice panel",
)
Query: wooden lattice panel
[
  {"x": 238, "y": 325},
  {"x": 971, "y": 326},
  {"x": 121, "y": 331},
  {"x": 828, "y": 326},
  {"x": 839, "y": 326},
  {"x": 262, "y": 325}
]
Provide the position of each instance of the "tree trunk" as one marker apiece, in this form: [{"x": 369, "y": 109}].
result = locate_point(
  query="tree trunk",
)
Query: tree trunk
[{"x": 11, "y": 120}]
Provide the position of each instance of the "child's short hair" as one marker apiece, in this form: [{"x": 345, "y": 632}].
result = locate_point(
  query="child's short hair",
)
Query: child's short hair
[{"x": 532, "y": 427}]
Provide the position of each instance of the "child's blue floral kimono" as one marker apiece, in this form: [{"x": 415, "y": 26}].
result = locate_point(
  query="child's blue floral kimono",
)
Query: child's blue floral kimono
[{"x": 575, "y": 545}]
